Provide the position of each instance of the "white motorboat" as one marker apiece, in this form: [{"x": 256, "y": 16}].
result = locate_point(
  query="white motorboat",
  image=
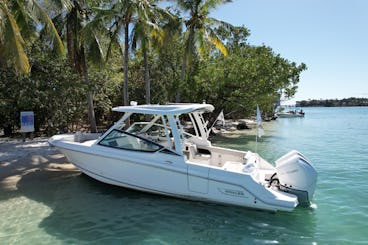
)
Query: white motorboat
[
  {"x": 290, "y": 114},
  {"x": 158, "y": 156}
]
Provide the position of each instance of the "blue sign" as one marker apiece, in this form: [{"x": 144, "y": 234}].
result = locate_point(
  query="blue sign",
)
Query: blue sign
[{"x": 26, "y": 121}]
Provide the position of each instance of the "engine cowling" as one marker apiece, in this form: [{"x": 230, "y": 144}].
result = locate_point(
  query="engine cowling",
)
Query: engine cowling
[{"x": 297, "y": 176}]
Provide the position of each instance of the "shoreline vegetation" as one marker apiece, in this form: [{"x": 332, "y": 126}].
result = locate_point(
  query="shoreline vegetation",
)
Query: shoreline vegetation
[
  {"x": 71, "y": 63},
  {"x": 347, "y": 102}
]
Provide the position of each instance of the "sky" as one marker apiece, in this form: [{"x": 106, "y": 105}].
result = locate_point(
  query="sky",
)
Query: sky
[{"x": 329, "y": 36}]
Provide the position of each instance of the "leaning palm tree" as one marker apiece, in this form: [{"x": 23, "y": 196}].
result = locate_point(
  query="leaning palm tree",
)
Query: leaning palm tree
[
  {"x": 20, "y": 23},
  {"x": 199, "y": 34}
]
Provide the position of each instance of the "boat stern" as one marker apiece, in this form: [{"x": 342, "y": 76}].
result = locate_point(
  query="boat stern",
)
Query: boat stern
[{"x": 296, "y": 175}]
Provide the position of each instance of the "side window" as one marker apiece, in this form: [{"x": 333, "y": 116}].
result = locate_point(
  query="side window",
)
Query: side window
[{"x": 127, "y": 141}]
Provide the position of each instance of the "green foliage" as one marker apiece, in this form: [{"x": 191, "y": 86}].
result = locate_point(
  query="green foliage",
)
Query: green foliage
[
  {"x": 199, "y": 32},
  {"x": 247, "y": 76},
  {"x": 165, "y": 70},
  {"x": 20, "y": 23},
  {"x": 52, "y": 91}
]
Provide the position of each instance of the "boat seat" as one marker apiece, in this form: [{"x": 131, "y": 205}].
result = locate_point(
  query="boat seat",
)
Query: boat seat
[{"x": 194, "y": 154}]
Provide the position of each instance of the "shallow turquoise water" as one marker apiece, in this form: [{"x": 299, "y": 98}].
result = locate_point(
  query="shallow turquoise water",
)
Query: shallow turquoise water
[{"x": 65, "y": 207}]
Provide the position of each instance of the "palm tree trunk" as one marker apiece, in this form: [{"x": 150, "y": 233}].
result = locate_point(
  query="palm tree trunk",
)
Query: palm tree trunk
[
  {"x": 72, "y": 39},
  {"x": 69, "y": 39},
  {"x": 126, "y": 60},
  {"x": 146, "y": 76},
  {"x": 181, "y": 83},
  {"x": 91, "y": 111}
]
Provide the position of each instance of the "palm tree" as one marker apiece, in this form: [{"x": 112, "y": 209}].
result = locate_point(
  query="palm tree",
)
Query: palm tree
[
  {"x": 120, "y": 17},
  {"x": 82, "y": 44},
  {"x": 141, "y": 36},
  {"x": 199, "y": 34},
  {"x": 19, "y": 21},
  {"x": 147, "y": 32}
]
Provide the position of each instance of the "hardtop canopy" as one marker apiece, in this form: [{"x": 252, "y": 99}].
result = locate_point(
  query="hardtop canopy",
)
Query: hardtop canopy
[{"x": 170, "y": 109}]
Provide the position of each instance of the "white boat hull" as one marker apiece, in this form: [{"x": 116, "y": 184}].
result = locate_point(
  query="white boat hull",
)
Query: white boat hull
[
  {"x": 173, "y": 177},
  {"x": 158, "y": 156},
  {"x": 289, "y": 115}
]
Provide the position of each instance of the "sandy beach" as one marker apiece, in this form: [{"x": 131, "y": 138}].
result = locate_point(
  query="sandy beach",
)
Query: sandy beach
[{"x": 18, "y": 159}]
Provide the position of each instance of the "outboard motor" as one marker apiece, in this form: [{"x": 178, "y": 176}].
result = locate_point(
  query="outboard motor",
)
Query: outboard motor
[{"x": 296, "y": 175}]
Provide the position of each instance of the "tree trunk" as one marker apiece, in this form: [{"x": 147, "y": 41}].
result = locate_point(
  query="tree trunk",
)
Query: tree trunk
[
  {"x": 126, "y": 60},
  {"x": 146, "y": 76},
  {"x": 69, "y": 38},
  {"x": 91, "y": 110},
  {"x": 181, "y": 83},
  {"x": 72, "y": 32}
]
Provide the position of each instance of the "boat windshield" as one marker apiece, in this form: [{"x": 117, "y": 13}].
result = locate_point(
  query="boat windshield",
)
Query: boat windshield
[
  {"x": 153, "y": 131},
  {"x": 157, "y": 132},
  {"x": 127, "y": 141}
]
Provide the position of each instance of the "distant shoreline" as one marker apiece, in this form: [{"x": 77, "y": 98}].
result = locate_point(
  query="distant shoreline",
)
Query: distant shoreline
[{"x": 349, "y": 102}]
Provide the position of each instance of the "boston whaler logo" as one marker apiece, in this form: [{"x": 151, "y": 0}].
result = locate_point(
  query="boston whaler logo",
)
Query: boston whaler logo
[{"x": 232, "y": 192}]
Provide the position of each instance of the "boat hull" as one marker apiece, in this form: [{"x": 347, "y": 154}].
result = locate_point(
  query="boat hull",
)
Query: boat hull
[
  {"x": 289, "y": 115},
  {"x": 171, "y": 175},
  {"x": 158, "y": 155}
]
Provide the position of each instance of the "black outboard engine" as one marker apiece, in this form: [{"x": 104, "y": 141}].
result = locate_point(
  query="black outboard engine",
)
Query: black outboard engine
[{"x": 296, "y": 175}]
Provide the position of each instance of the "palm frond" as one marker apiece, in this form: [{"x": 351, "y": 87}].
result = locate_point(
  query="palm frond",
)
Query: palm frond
[
  {"x": 106, "y": 14},
  {"x": 184, "y": 4},
  {"x": 95, "y": 52},
  {"x": 2, "y": 20},
  {"x": 24, "y": 19},
  {"x": 92, "y": 33},
  {"x": 209, "y": 5},
  {"x": 14, "y": 43},
  {"x": 227, "y": 26},
  {"x": 214, "y": 39},
  {"x": 49, "y": 28},
  {"x": 62, "y": 4},
  {"x": 113, "y": 43},
  {"x": 158, "y": 35},
  {"x": 67, "y": 4}
]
